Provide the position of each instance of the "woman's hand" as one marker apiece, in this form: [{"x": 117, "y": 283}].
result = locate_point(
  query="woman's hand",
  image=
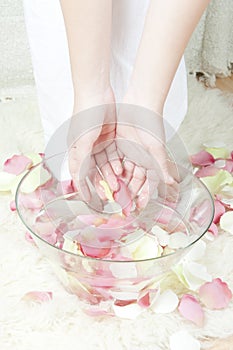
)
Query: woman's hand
[
  {"x": 141, "y": 140},
  {"x": 93, "y": 154}
]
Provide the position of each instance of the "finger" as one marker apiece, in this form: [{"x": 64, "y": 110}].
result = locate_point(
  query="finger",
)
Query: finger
[
  {"x": 143, "y": 197},
  {"x": 149, "y": 189},
  {"x": 106, "y": 169},
  {"x": 78, "y": 169},
  {"x": 114, "y": 159},
  {"x": 137, "y": 180},
  {"x": 161, "y": 162},
  {"x": 128, "y": 171},
  {"x": 168, "y": 192},
  {"x": 99, "y": 188}
]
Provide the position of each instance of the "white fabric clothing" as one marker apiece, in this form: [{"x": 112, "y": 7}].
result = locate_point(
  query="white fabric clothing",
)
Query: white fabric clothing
[{"x": 50, "y": 59}]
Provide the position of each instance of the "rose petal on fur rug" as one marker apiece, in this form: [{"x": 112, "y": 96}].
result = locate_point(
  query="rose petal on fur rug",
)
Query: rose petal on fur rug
[
  {"x": 202, "y": 158},
  {"x": 190, "y": 309},
  {"x": 226, "y": 222},
  {"x": 37, "y": 297},
  {"x": 17, "y": 164},
  {"x": 166, "y": 302},
  {"x": 215, "y": 294}
]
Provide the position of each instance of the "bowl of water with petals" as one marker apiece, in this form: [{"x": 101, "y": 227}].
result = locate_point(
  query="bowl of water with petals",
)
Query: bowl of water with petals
[{"x": 115, "y": 259}]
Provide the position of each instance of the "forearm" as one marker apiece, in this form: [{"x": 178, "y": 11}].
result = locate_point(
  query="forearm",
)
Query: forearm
[
  {"x": 88, "y": 27},
  {"x": 168, "y": 28}
]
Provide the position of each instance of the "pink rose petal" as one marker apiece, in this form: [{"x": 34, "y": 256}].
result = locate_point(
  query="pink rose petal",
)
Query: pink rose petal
[
  {"x": 94, "y": 252},
  {"x": 104, "y": 233},
  {"x": 29, "y": 238},
  {"x": 207, "y": 171},
  {"x": 215, "y": 294},
  {"x": 12, "y": 206},
  {"x": 147, "y": 297},
  {"x": 122, "y": 197},
  {"x": 17, "y": 164},
  {"x": 198, "y": 213},
  {"x": 190, "y": 309},
  {"x": 96, "y": 312},
  {"x": 229, "y": 165},
  {"x": 202, "y": 158},
  {"x": 46, "y": 229},
  {"x": 30, "y": 200},
  {"x": 219, "y": 211},
  {"x": 65, "y": 187},
  {"x": 38, "y": 297},
  {"x": 213, "y": 229}
]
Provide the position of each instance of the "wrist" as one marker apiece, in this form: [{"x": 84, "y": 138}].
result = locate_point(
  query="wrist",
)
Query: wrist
[
  {"x": 140, "y": 95},
  {"x": 90, "y": 96}
]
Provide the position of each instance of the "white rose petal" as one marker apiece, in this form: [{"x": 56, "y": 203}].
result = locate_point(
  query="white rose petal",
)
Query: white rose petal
[
  {"x": 195, "y": 274},
  {"x": 220, "y": 163},
  {"x": 228, "y": 201},
  {"x": 227, "y": 191},
  {"x": 70, "y": 246},
  {"x": 124, "y": 270},
  {"x": 162, "y": 235},
  {"x": 197, "y": 251},
  {"x": 6, "y": 181},
  {"x": 166, "y": 302},
  {"x": 147, "y": 248},
  {"x": 226, "y": 222},
  {"x": 122, "y": 295},
  {"x": 112, "y": 208},
  {"x": 130, "y": 311},
  {"x": 178, "y": 240},
  {"x": 182, "y": 340}
]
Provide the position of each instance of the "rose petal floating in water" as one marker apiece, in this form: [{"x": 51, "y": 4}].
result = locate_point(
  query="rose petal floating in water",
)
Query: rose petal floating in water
[
  {"x": 215, "y": 294},
  {"x": 226, "y": 222},
  {"x": 190, "y": 309},
  {"x": 124, "y": 270},
  {"x": 182, "y": 340},
  {"x": 123, "y": 197},
  {"x": 65, "y": 187},
  {"x": 178, "y": 240},
  {"x": 162, "y": 235}
]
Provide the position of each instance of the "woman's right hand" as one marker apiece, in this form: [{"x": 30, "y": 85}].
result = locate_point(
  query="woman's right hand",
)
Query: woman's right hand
[{"x": 141, "y": 140}]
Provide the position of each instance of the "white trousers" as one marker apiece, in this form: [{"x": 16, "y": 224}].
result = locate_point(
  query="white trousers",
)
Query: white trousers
[{"x": 50, "y": 59}]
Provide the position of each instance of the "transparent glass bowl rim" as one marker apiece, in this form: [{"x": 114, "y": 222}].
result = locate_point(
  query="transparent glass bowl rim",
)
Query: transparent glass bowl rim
[{"x": 109, "y": 260}]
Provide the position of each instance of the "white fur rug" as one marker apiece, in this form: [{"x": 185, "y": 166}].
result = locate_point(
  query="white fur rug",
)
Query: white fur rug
[{"x": 60, "y": 324}]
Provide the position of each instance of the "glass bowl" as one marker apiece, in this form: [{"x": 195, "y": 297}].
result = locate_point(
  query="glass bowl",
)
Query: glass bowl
[{"x": 113, "y": 263}]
